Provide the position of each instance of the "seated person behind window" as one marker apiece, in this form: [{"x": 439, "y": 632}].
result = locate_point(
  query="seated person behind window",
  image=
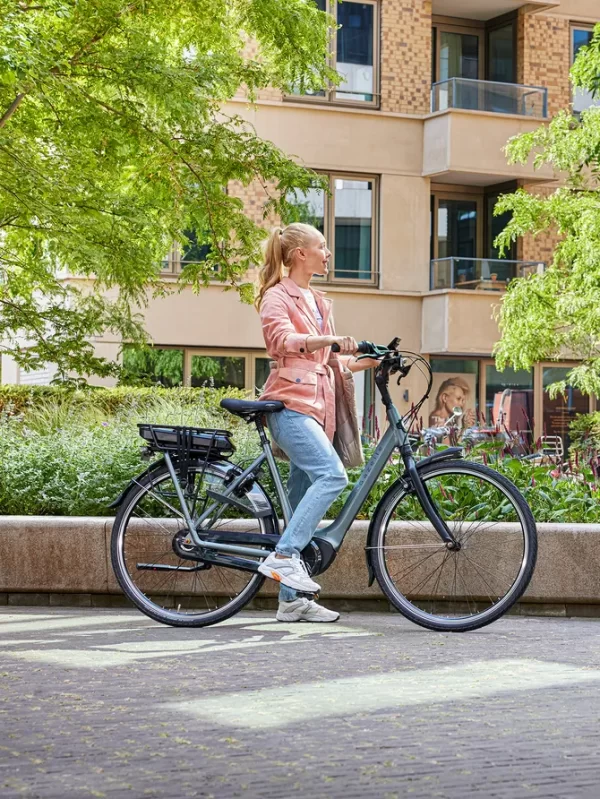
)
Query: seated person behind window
[{"x": 452, "y": 393}]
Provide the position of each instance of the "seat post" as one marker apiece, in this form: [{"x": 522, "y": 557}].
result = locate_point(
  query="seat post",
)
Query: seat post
[{"x": 258, "y": 421}]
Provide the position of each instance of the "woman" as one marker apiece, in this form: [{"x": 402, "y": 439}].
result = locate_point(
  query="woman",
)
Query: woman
[
  {"x": 298, "y": 329},
  {"x": 452, "y": 393}
]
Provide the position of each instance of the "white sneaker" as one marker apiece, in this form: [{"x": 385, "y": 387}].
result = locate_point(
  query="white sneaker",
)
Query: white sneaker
[
  {"x": 303, "y": 609},
  {"x": 289, "y": 571}
]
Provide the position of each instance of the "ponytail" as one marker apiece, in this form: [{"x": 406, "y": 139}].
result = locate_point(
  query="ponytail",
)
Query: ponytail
[
  {"x": 278, "y": 254},
  {"x": 272, "y": 271}
]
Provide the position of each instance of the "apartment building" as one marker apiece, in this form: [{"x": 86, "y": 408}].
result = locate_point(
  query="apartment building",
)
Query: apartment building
[{"x": 412, "y": 145}]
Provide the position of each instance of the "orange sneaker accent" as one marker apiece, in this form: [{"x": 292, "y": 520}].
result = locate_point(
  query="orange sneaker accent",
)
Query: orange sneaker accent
[{"x": 276, "y": 577}]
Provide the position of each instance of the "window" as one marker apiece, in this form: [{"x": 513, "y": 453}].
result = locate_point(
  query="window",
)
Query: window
[
  {"x": 192, "y": 253},
  {"x": 457, "y": 52},
  {"x": 179, "y": 366},
  {"x": 558, "y": 413},
  {"x": 347, "y": 218},
  {"x": 152, "y": 366},
  {"x": 356, "y": 53},
  {"x": 220, "y": 371},
  {"x": 509, "y": 399},
  {"x": 580, "y": 37},
  {"x": 455, "y": 384}
]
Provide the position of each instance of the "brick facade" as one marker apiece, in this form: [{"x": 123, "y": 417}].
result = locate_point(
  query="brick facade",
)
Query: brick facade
[
  {"x": 406, "y": 56},
  {"x": 255, "y": 197},
  {"x": 544, "y": 57},
  {"x": 540, "y": 247}
]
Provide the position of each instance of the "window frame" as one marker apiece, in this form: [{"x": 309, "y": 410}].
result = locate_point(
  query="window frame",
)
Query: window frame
[
  {"x": 250, "y": 357},
  {"x": 453, "y": 195},
  {"x": 456, "y": 25},
  {"x": 537, "y": 384},
  {"x": 582, "y": 26},
  {"x": 329, "y": 96},
  {"x": 329, "y": 230}
]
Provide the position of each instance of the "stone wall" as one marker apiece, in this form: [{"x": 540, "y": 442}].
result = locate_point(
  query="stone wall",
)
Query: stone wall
[{"x": 43, "y": 557}]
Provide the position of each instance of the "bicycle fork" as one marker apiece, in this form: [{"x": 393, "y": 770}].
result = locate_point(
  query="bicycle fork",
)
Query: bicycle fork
[{"x": 420, "y": 489}]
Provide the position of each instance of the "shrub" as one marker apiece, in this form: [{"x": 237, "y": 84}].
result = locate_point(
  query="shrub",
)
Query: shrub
[
  {"x": 66, "y": 452},
  {"x": 72, "y": 452}
]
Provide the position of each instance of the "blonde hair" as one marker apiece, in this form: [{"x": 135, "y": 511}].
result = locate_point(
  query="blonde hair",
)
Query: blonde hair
[{"x": 281, "y": 245}]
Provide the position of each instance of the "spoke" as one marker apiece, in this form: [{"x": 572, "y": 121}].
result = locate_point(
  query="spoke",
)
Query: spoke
[
  {"x": 493, "y": 593},
  {"x": 491, "y": 571},
  {"x": 408, "y": 570}
]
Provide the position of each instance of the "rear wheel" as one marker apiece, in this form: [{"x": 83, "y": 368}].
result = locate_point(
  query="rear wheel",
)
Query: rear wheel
[
  {"x": 472, "y": 586},
  {"x": 156, "y": 565}
]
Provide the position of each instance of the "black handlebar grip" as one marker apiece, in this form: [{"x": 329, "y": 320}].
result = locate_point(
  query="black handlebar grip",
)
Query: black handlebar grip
[{"x": 363, "y": 347}]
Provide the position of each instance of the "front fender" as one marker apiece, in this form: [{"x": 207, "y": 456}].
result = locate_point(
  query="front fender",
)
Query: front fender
[{"x": 452, "y": 453}]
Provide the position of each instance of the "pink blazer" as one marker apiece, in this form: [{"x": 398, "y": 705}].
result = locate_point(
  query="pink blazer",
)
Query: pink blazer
[{"x": 303, "y": 380}]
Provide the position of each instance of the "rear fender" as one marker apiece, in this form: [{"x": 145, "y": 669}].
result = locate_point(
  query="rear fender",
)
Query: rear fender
[{"x": 158, "y": 464}]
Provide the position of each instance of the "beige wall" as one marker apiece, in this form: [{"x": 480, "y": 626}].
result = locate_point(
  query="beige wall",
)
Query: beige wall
[
  {"x": 467, "y": 147},
  {"x": 460, "y": 322}
]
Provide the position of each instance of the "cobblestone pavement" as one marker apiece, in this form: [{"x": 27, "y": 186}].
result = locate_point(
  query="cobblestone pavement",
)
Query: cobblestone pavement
[{"x": 100, "y": 703}]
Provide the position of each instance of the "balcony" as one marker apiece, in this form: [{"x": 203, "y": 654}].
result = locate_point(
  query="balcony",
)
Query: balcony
[
  {"x": 490, "y": 96},
  {"x": 479, "y": 274},
  {"x": 466, "y": 146}
]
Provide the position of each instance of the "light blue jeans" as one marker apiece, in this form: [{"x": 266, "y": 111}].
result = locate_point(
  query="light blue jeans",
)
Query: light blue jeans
[{"x": 317, "y": 478}]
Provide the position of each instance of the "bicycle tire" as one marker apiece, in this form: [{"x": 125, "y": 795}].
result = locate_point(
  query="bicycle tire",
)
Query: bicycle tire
[
  {"x": 140, "y": 490},
  {"x": 414, "y": 609}
]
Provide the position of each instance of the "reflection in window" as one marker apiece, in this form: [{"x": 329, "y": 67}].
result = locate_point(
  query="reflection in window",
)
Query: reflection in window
[
  {"x": 509, "y": 400},
  {"x": 560, "y": 411},
  {"x": 457, "y": 229},
  {"x": 582, "y": 98},
  {"x": 353, "y": 229},
  {"x": 308, "y": 207},
  {"x": 459, "y": 55},
  {"x": 262, "y": 369},
  {"x": 152, "y": 366},
  {"x": 218, "y": 371},
  {"x": 355, "y": 51},
  {"x": 455, "y": 384}
]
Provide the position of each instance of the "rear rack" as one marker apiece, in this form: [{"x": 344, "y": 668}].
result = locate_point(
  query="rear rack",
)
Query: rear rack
[{"x": 187, "y": 441}]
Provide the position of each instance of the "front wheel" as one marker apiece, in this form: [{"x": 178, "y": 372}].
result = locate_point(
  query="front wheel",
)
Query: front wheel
[{"x": 474, "y": 585}]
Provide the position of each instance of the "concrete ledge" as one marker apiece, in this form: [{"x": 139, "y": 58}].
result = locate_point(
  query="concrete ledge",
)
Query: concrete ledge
[{"x": 66, "y": 560}]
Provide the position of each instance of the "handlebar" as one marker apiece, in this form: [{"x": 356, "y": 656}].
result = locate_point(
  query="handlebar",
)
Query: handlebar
[
  {"x": 363, "y": 347},
  {"x": 372, "y": 350}
]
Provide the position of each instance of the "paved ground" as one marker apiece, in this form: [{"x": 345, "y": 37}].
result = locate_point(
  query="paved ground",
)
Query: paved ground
[{"x": 107, "y": 703}]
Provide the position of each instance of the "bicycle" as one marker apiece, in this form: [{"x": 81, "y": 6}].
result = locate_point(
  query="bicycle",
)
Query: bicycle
[{"x": 452, "y": 543}]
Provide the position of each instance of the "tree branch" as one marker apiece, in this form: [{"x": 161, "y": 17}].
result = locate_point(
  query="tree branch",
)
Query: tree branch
[{"x": 11, "y": 109}]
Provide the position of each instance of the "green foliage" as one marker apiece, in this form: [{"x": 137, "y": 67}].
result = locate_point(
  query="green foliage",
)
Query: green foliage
[
  {"x": 114, "y": 143},
  {"x": 144, "y": 366},
  {"x": 585, "y": 434},
  {"x": 72, "y": 452},
  {"x": 556, "y": 313}
]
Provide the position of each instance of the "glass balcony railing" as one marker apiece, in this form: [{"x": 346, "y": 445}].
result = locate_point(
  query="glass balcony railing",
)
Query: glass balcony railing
[
  {"x": 488, "y": 95},
  {"x": 483, "y": 274}
]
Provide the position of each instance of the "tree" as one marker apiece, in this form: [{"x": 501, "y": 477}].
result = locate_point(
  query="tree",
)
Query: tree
[
  {"x": 556, "y": 314},
  {"x": 114, "y": 143}
]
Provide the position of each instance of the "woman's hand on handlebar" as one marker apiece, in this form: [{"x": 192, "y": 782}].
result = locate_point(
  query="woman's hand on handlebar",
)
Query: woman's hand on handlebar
[{"x": 345, "y": 345}]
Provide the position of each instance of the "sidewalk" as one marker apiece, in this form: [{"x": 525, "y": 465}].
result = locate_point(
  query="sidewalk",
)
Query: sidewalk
[{"x": 108, "y": 703}]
